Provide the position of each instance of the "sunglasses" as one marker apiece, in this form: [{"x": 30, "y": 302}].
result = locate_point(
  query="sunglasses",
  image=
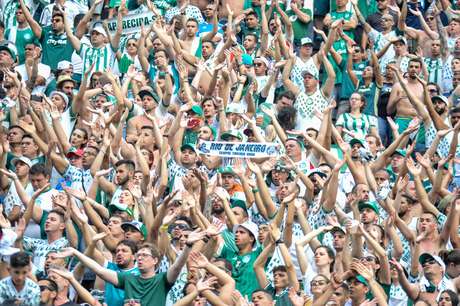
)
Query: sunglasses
[{"x": 43, "y": 288}]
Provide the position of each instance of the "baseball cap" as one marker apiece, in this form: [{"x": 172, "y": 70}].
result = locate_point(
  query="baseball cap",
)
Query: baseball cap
[
  {"x": 231, "y": 133},
  {"x": 23, "y": 159},
  {"x": 188, "y": 146},
  {"x": 442, "y": 98},
  {"x": 403, "y": 39},
  {"x": 99, "y": 28},
  {"x": 10, "y": 48},
  {"x": 137, "y": 225},
  {"x": 238, "y": 200},
  {"x": 369, "y": 204},
  {"x": 74, "y": 152},
  {"x": 306, "y": 41},
  {"x": 64, "y": 65},
  {"x": 360, "y": 279},
  {"x": 338, "y": 229},
  {"x": 118, "y": 206},
  {"x": 316, "y": 171},
  {"x": 354, "y": 141},
  {"x": 250, "y": 226},
  {"x": 197, "y": 110},
  {"x": 313, "y": 72},
  {"x": 226, "y": 169},
  {"x": 148, "y": 91},
  {"x": 428, "y": 257},
  {"x": 399, "y": 152}
]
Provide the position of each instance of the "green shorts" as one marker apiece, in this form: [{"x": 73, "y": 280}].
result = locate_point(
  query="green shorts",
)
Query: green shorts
[{"x": 403, "y": 123}]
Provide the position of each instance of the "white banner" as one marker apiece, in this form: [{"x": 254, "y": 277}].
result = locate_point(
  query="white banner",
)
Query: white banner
[
  {"x": 238, "y": 149},
  {"x": 132, "y": 23}
]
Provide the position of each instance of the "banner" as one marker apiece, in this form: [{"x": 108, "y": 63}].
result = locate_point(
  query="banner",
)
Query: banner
[
  {"x": 238, "y": 149},
  {"x": 132, "y": 23}
]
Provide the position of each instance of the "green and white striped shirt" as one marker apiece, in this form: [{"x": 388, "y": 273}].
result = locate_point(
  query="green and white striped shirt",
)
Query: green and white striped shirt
[
  {"x": 103, "y": 58},
  {"x": 360, "y": 126}
]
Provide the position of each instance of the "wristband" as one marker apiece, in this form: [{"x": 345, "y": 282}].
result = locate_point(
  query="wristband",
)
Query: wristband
[
  {"x": 164, "y": 228},
  {"x": 255, "y": 190},
  {"x": 279, "y": 241}
]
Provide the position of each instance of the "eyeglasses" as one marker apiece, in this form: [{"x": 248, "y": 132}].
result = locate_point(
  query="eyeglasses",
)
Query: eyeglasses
[
  {"x": 367, "y": 258},
  {"x": 132, "y": 45},
  {"x": 144, "y": 255},
  {"x": 56, "y": 20},
  {"x": 43, "y": 288},
  {"x": 317, "y": 283},
  {"x": 257, "y": 64}
]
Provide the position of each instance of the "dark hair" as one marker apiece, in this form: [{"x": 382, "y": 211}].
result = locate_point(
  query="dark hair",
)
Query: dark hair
[
  {"x": 363, "y": 99},
  {"x": 52, "y": 284},
  {"x": 279, "y": 268},
  {"x": 227, "y": 263},
  {"x": 416, "y": 60},
  {"x": 252, "y": 13},
  {"x": 331, "y": 255},
  {"x": 453, "y": 296},
  {"x": 208, "y": 41},
  {"x": 59, "y": 213},
  {"x": 152, "y": 248},
  {"x": 452, "y": 256},
  {"x": 288, "y": 94},
  {"x": 454, "y": 110},
  {"x": 147, "y": 127},
  {"x": 185, "y": 219},
  {"x": 19, "y": 260},
  {"x": 16, "y": 126},
  {"x": 266, "y": 292},
  {"x": 164, "y": 51},
  {"x": 192, "y": 19},
  {"x": 129, "y": 163},
  {"x": 84, "y": 131},
  {"x": 436, "y": 85},
  {"x": 130, "y": 244},
  {"x": 287, "y": 117},
  {"x": 39, "y": 168}
]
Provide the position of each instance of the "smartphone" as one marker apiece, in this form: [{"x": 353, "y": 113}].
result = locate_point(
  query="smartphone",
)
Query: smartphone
[{"x": 36, "y": 98}]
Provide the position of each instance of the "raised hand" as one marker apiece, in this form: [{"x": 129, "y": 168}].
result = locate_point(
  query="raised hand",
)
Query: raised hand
[
  {"x": 199, "y": 259},
  {"x": 65, "y": 252},
  {"x": 63, "y": 273},
  {"x": 413, "y": 169},
  {"x": 78, "y": 194},
  {"x": 208, "y": 284}
]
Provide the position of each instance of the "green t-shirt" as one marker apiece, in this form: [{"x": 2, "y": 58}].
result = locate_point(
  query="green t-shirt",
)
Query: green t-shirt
[
  {"x": 346, "y": 15},
  {"x": 371, "y": 93},
  {"x": 281, "y": 299},
  {"x": 340, "y": 46},
  {"x": 366, "y": 7},
  {"x": 299, "y": 28},
  {"x": 20, "y": 37},
  {"x": 55, "y": 47},
  {"x": 243, "y": 269},
  {"x": 150, "y": 291}
]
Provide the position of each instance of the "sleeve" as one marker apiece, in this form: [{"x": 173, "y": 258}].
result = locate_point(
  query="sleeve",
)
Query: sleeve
[
  {"x": 69, "y": 173},
  {"x": 340, "y": 121},
  {"x": 121, "y": 279},
  {"x": 83, "y": 49}
]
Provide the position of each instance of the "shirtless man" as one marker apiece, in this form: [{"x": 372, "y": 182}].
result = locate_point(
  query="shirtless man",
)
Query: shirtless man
[
  {"x": 191, "y": 43},
  {"x": 399, "y": 102}
]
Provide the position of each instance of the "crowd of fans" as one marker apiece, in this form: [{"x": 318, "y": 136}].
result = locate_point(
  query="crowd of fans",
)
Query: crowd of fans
[{"x": 107, "y": 199}]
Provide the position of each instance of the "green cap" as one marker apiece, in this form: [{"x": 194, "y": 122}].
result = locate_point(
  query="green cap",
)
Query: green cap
[
  {"x": 197, "y": 110},
  {"x": 122, "y": 207},
  {"x": 226, "y": 169},
  {"x": 188, "y": 146},
  {"x": 401, "y": 152},
  {"x": 231, "y": 133},
  {"x": 148, "y": 91},
  {"x": 238, "y": 200},
  {"x": 137, "y": 225},
  {"x": 361, "y": 279},
  {"x": 370, "y": 204},
  {"x": 354, "y": 141}
]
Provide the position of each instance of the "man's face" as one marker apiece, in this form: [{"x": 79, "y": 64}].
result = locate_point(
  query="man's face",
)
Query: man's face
[
  {"x": 284, "y": 102},
  {"x": 97, "y": 39},
  {"x": 191, "y": 28},
  {"x": 29, "y": 50},
  {"x": 207, "y": 49},
  {"x": 339, "y": 239},
  {"x": 228, "y": 180},
  {"x": 46, "y": 294},
  {"x": 382, "y": 5},
  {"x": 133, "y": 234},
  {"x": 88, "y": 156},
  {"x": 123, "y": 256},
  {"x": 188, "y": 157},
  {"x": 387, "y": 21},
  {"x": 148, "y": 103},
  {"x": 52, "y": 260},
  {"x": 261, "y": 299},
  {"x": 145, "y": 260},
  {"x": 251, "y": 21},
  {"x": 431, "y": 268},
  {"x": 310, "y": 82},
  {"x": 397, "y": 161},
  {"x": 57, "y": 23},
  {"x": 15, "y": 135},
  {"x": 439, "y": 106},
  {"x": 368, "y": 216},
  {"x": 20, "y": 18},
  {"x": 435, "y": 48},
  {"x": 19, "y": 275},
  {"x": 122, "y": 175},
  {"x": 5, "y": 59},
  {"x": 38, "y": 180},
  {"x": 21, "y": 169},
  {"x": 338, "y": 298},
  {"x": 357, "y": 289},
  {"x": 249, "y": 42},
  {"x": 454, "y": 27},
  {"x": 362, "y": 192},
  {"x": 160, "y": 59},
  {"x": 432, "y": 90},
  {"x": 68, "y": 87},
  {"x": 427, "y": 223},
  {"x": 372, "y": 143},
  {"x": 115, "y": 226},
  {"x": 293, "y": 148},
  {"x": 54, "y": 223},
  {"x": 242, "y": 237},
  {"x": 280, "y": 279},
  {"x": 260, "y": 68},
  {"x": 414, "y": 69},
  {"x": 279, "y": 177}
]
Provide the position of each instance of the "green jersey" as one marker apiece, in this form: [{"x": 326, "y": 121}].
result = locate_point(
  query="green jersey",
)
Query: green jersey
[
  {"x": 299, "y": 28},
  {"x": 20, "y": 37},
  {"x": 55, "y": 47},
  {"x": 347, "y": 16},
  {"x": 243, "y": 269},
  {"x": 150, "y": 291}
]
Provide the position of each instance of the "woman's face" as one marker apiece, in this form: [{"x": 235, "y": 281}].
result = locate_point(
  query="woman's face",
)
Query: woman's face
[
  {"x": 59, "y": 102},
  {"x": 318, "y": 285},
  {"x": 355, "y": 101},
  {"x": 445, "y": 300},
  {"x": 78, "y": 138},
  {"x": 205, "y": 133},
  {"x": 138, "y": 178},
  {"x": 321, "y": 257},
  {"x": 131, "y": 47},
  {"x": 126, "y": 198}
]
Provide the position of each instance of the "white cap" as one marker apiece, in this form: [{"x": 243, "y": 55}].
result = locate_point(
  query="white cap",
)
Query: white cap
[
  {"x": 64, "y": 65},
  {"x": 99, "y": 28},
  {"x": 250, "y": 226}
]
